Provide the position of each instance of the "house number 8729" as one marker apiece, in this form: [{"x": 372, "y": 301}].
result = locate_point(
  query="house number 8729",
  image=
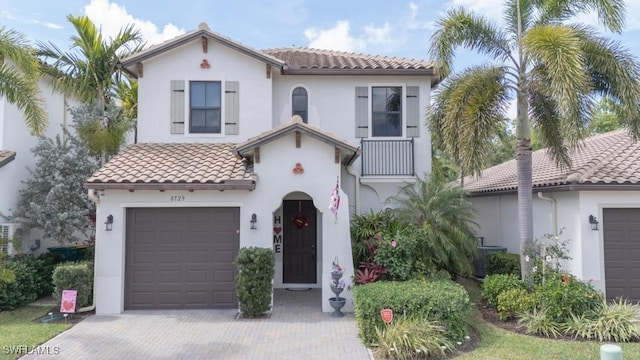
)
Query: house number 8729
[{"x": 177, "y": 197}]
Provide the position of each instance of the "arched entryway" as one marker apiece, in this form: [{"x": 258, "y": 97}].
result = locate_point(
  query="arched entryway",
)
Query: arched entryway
[{"x": 297, "y": 242}]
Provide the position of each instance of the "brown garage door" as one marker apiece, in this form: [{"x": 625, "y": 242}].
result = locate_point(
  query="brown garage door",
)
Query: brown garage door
[
  {"x": 621, "y": 231},
  {"x": 181, "y": 258}
]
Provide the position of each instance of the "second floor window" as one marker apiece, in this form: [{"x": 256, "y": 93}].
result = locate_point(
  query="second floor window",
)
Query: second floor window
[
  {"x": 386, "y": 111},
  {"x": 204, "y": 107},
  {"x": 300, "y": 103}
]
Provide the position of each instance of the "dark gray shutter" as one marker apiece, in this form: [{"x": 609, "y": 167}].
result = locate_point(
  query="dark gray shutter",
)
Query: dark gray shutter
[
  {"x": 413, "y": 111},
  {"x": 176, "y": 108},
  {"x": 231, "y": 108},
  {"x": 362, "y": 112}
]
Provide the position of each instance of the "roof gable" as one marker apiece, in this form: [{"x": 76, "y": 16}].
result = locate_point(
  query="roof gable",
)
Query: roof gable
[
  {"x": 351, "y": 152},
  {"x": 203, "y": 31},
  {"x": 607, "y": 159}
]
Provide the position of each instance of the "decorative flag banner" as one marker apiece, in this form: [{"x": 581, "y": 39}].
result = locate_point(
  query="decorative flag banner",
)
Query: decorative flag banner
[
  {"x": 387, "y": 315},
  {"x": 334, "y": 203},
  {"x": 68, "y": 303}
]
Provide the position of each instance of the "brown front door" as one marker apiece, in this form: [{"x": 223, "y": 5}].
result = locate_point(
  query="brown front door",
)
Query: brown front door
[{"x": 299, "y": 242}]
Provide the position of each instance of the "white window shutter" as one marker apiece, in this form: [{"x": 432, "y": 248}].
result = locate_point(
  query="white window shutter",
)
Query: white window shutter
[
  {"x": 413, "y": 111},
  {"x": 231, "y": 108},
  {"x": 176, "y": 109},
  {"x": 362, "y": 112}
]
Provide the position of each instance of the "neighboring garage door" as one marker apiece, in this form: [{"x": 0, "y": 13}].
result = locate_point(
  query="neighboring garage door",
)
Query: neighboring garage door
[
  {"x": 621, "y": 229},
  {"x": 181, "y": 258}
]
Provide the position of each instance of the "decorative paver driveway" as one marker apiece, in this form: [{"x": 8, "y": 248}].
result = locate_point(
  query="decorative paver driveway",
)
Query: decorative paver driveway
[{"x": 295, "y": 330}]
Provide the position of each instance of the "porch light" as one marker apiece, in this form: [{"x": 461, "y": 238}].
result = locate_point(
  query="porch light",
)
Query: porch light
[
  {"x": 254, "y": 220},
  {"x": 108, "y": 225},
  {"x": 593, "y": 221}
]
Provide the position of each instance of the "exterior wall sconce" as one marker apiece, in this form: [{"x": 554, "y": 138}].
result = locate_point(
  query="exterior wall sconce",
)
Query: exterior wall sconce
[
  {"x": 593, "y": 221},
  {"x": 254, "y": 220},
  {"x": 108, "y": 225}
]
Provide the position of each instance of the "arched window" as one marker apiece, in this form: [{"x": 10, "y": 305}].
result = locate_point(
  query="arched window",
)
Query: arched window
[{"x": 300, "y": 103}]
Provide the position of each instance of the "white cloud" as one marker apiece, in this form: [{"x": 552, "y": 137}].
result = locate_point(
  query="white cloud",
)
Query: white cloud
[
  {"x": 335, "y": 38},
  {"x": 413, "y": 23},
  {"x": 51, "y": 25},
  {"x": 340, "y": 38},
  {"x": 111, "y": 18},
  {"x": 9, "y": 16}
]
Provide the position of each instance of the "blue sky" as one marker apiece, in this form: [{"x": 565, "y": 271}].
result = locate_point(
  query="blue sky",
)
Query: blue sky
[{"x": 395, "y": 28}]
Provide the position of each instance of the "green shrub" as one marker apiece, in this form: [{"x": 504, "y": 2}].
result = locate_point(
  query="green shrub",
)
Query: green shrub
[
  {"x": 74, "y": 276},
  {"x": 562, "y": 295},
  {"x": 538, "y": 322},
  {"x": 412, "y": 338},
  {"x": 395, "y": 253},
  {"x": 442, "y": 301},
  {"x": 364, "y": 228},
  {"x": 514, "y": 302},
  {"x": 495, "y": 284},
  {"x": 254, "y": 282},
  {"x": 26, "y": 285},
  {"x": 503, "y": 263},
  {"x": 46, "y": 263},
  {"x": 616, "y": 321}
]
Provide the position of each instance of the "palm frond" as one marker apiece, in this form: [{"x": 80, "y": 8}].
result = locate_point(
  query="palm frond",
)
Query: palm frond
[
  {"x": 460, "y": 28},
  {"x": 468, "y": 112}
]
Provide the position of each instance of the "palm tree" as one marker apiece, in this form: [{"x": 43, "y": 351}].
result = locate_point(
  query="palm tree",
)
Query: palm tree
[
  {"x": 443, "y": 219},
  {"x": 553, "y": 67},
  {"x": 89, "y": 71},
  {"x": 19, "y": 74}
]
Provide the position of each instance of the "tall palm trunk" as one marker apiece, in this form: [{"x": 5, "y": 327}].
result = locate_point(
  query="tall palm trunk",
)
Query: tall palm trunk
[{"x": 525, "y": 188}]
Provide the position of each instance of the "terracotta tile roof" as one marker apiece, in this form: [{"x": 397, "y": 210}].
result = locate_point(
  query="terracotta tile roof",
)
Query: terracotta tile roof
[
  {"x": 350, "y": 152},
  {"x": 6, "y": 157},
  {"x": 315, "y": 61},
  {"x": 612, "y": 158},
  {"x": 175, "y": 166}
]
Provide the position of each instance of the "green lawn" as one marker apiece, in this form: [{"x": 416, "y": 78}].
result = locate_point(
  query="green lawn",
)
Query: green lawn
[
  {"x": 497, "y": 343},
  {"x": 18, "y": 331}
]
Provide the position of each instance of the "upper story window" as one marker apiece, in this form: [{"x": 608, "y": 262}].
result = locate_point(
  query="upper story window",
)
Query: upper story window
[
  {"x": 386, "y": 110},
  {"x": 204, "y": 110},
  {"x": 300, "y": 103}
]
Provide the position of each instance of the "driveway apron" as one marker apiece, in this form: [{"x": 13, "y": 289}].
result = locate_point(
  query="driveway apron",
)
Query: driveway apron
[{"x": 296, "y": 329}]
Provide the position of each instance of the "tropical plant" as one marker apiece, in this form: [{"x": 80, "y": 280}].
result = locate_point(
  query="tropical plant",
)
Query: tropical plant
[
  {"x": 412, "y": 338},
  {"x": 53, "y": 199},
  {"x": 496, "y": 284},
  {"x": 89, "y": 71},
  {"x": 552, "y": 66},
  {"x": 443, "y": 219},
  {"x": 616, "y": 321},
  {"x": 19, "y": 75},
  {"x": 537, "y": 322}
]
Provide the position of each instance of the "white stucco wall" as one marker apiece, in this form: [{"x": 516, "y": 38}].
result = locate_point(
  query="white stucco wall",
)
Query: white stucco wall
[
  {"x": 276, "y": 181},
  {"x": 498, "y": 218},
  {"x": 183, "y": 63},
  {"x": 331, "y": 106}
]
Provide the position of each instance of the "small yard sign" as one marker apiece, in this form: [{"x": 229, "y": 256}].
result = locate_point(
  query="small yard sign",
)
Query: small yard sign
[
  {"x": 68, "y": 304},
  {"x": 387, "y": 315}
]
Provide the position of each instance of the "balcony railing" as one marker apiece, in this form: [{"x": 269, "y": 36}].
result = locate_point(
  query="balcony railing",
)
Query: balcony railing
[{"x": 387, "y": 157}]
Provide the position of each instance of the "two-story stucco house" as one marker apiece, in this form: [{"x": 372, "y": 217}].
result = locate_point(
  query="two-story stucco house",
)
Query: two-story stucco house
[
  {"x": 242, "y": 147},
  {"x": 16, "y": 158}
]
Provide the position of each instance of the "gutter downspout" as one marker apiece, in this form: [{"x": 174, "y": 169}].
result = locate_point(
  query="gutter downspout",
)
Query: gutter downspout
[
  {"x": 355, "y": 174},
  {"x": 91, "y": 193}
]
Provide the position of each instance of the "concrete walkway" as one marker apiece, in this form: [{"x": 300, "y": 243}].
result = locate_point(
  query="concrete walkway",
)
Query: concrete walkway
[{"x": 297, "y": 329}]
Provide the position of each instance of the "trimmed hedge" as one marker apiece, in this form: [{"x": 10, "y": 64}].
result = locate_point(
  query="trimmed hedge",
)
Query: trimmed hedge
[
  {"x": 503, "y": 263},
  {"x": 442, "y": 301},
  {"x": 32, "y": 280},
  {"x": 254, "y": 284},
  {"x": 76, "y": 276}
]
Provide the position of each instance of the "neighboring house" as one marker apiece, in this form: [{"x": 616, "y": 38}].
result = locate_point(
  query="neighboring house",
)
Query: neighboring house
[
  {"x": 16, "y": 143},
  {"x": 603, "y": 186},
  {"x": 223, "y": 163}
]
